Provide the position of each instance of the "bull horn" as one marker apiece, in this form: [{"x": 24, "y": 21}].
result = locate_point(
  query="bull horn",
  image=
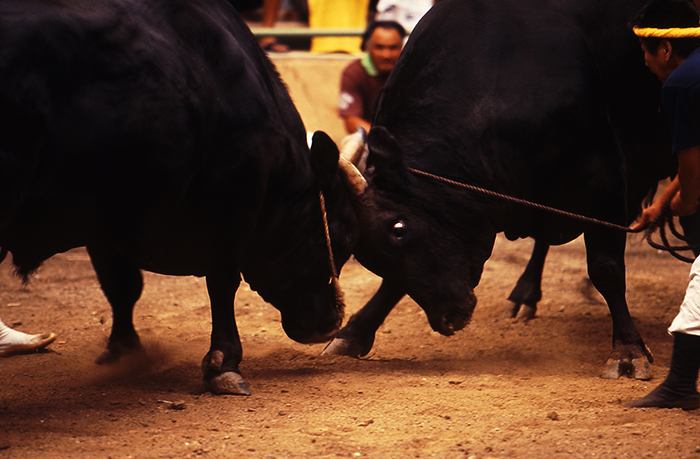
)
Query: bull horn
[
  {"x": 353, "y": 178},
  {"x": 353, "y": 148}
]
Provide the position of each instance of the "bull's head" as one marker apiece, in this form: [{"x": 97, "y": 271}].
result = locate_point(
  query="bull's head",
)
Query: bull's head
[
  {"x": 289, "y": 263},
  {"x": 419, "y": 235}
]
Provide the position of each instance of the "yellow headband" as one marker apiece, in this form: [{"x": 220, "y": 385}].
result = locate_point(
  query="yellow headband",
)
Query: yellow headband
[{"x": 676, "y": 32}]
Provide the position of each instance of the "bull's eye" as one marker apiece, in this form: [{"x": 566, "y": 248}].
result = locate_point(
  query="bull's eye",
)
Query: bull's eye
[{"x": 399, "y": 229}]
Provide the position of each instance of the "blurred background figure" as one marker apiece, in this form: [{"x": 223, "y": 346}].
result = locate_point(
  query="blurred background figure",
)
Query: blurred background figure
[
  {"x": 15, "y": 342},
  {"x": 267, "y": 13},
  {"x": 337, "y": 14},
  {"x": 363, "y": 79},
  {"x": 405, "y": 12},
  {"x": 270, "y": 12}
]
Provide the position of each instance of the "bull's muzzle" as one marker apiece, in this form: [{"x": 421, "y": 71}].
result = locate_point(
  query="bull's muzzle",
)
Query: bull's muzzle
[{"x": 305, "y": 334}]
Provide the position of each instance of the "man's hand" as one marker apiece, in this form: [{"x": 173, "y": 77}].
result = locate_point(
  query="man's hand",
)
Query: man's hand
[
  {"x": 649, "y": 215},
  {"x": 353, "y": 122}
]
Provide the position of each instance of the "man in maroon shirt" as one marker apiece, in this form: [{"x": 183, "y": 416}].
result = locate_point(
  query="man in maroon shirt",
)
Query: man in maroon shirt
[{"x": 362, "y": 79}]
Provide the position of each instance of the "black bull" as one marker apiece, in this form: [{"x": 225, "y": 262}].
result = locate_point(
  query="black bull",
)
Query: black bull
[
  {"x": 547, "y": 101},
  {"x": 157, "y": 134}
]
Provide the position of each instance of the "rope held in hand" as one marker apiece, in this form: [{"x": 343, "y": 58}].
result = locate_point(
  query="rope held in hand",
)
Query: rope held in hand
[{"x": 664, "y": 219}]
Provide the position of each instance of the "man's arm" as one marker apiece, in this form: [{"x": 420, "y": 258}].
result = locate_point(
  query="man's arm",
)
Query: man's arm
[
  {"x": 683, "y": 192},
  {"x": 651, "y": 213},
  {"x": 685, "y": 202},
  {"x": 350, "y": 104},
  {"x": 353, "y": 122}
]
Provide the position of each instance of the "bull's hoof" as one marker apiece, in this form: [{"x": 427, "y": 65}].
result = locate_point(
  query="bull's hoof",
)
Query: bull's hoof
[
  {"x": 628, "y": 361},
  {"x": 526, "y": 313},
  {"x": 521, "y": 312},
  {"x": 511, "y": 310},
  {"x": 228, "y": 383},
  {"x": 642, "y": 369},
  {"x": 612, "y": 369},
  {"x": 219, "y": 381},
  {"x": 342, "y": 346},
  {"x": 116, "y": 351}
]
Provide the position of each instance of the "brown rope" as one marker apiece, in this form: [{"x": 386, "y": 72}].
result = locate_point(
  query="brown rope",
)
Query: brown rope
[
  {"x": 328, "y": 234},
  {"x": 666, "y": 218},
  {"x": 522, "y": 201}
]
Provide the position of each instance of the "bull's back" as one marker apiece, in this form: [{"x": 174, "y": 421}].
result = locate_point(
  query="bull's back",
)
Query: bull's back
[
  {"x": 127, "y": 119},
  {"x": 518, "y": 97}
]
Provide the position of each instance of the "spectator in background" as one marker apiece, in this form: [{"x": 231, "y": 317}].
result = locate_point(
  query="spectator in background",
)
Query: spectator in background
[
  {"x": 271, "y": 9},
  {"x": 337, "y": 14},
  {"x": 363, "y": 78},
  {"x": 405, "y": 12},
  {"x": 15, "y": 342}
]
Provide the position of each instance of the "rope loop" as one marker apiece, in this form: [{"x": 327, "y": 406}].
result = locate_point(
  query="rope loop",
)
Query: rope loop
[{"x": 664, "y": 219}]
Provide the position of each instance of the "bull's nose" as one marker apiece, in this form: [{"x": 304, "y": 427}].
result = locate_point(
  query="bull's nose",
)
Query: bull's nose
[
  {"x": 306, "y": 334},
  {"x": 453, "y": 322},
  {"x": 319, "y": 338},
  {"x": 448, "y": 323},
  {"x": 448, "y": 328},
  {"x": 311, "y": 338}
]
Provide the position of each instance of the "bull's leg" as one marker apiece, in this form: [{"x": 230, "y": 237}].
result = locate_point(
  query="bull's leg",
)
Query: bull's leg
[
  {"x": 356, "y": 338},
  {"x": 122, "y": 283},
  {"x": 528, "y": 290},
  {"x": 220, "y": 365},
  {"x": 606, "y": 268}
]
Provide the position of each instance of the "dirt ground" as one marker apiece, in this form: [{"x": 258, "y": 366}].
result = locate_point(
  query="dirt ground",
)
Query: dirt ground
[{"x": 497, "y": 389}]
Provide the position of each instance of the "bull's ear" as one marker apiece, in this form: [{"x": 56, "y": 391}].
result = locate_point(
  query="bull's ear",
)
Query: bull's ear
[
  {"x": 324, "y": 158},
  {"x": 385, "y": 151},
  {"x": 385, "y": 163}
]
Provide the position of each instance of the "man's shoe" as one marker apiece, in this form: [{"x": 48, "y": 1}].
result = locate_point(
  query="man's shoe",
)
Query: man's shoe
[
  {"x": 36, "y": 343},
  {"x": 679, "y": 389},
  {"x": 656, "y": 399}
]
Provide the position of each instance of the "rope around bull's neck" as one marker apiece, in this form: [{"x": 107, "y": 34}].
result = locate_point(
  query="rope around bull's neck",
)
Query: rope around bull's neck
[
  {"x": 665, "y": 218},
  {"x": 328, "y": 235}
]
